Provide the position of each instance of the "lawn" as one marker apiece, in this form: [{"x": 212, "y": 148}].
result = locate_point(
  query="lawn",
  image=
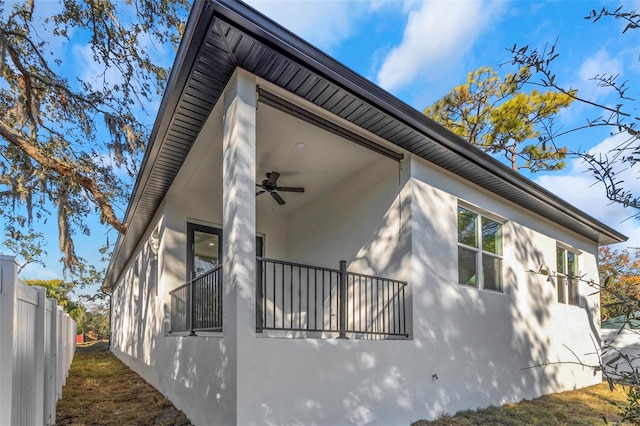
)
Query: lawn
[
  {"x": 588, "y": 406},
  {"x": 101, "y": 390}
]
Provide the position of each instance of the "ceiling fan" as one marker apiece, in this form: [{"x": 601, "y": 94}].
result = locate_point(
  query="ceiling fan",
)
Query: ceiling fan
[{"x": 270, "y": 185}]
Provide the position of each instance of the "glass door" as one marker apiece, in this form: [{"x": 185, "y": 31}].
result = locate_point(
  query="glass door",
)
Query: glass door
[{"x": 204, "y": 249}]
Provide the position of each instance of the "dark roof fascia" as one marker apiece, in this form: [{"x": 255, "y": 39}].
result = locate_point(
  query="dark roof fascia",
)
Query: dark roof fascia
[
  {"x": 197, "y": 27},
  {"x": 283, "y": 41}
]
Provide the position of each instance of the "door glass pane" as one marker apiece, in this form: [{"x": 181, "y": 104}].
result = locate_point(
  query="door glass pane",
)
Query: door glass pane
[
  {"x": 491, "y": 236},
  {"x": 467, "y": 266},
  {"x": 205, "y": 252},
  {"x": 491, "y": 275},
  {"x": 467, "y": 227}
]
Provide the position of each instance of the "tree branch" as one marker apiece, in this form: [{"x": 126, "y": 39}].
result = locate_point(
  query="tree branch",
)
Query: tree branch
[{"x": 67, "y": 171}]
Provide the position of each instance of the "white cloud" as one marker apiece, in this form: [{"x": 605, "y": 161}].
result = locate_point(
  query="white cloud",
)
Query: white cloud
[
  {"x": 322, "y": 23},
  {"x": 38, "y": 272},
  {"x": 437, "y": 36},
  {"x": 595, "y": 65},
  {"x": 580, "y": 189},
  {"x": 91, "y": 71}
]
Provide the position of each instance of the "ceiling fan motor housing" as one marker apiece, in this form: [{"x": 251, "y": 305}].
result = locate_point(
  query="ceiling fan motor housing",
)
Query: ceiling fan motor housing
[{"x": 270, "y": 185}]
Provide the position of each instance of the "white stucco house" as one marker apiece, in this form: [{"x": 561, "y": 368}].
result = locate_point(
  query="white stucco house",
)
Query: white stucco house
[{"x": 304, "y": 248}]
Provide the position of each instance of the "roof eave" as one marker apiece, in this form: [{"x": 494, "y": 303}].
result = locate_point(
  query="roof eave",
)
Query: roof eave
[
  {"x": 195, "y": 32},
  {"x": 261, "y": 27},
  {"x": 251, "y": 22}
]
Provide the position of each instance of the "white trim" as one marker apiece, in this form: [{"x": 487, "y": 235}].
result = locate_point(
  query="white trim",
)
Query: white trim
[
  {"x": 568, "y": 247},
  {"x": 483, "y": 212}
]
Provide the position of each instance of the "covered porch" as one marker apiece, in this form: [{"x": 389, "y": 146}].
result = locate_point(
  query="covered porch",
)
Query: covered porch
[{"x": 326, "y": 257}]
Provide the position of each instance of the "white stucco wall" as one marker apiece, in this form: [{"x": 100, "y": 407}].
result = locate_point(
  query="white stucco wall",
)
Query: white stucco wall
[
  {"x": 479, "y": 344},
  {"x": 484, "y": 341},
  {"x": 468, "y": 347}
]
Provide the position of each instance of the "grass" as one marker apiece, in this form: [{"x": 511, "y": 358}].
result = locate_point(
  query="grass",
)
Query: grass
[
  {"x": 588, "y": 406},
  {"x": 101, "y": 390}
]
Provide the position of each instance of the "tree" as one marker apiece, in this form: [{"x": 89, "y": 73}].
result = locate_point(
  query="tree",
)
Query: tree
[
  {"x": 73, "y": 141},
  {"x": 98, "y": 319},
  {"x": 500, "y": 117},
  {"x": 620, "y": 276},
  {"x": 620, "y": 117},
  {"x": 28, "y": 246}
]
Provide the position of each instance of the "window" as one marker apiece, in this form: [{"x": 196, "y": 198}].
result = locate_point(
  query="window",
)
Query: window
[
  {"x": 567, "y": 270},
  {"x": 479, "y": 251}
]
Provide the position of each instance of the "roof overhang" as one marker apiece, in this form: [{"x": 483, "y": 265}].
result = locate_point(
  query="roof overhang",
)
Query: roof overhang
[{"x": 223, "y": 35}]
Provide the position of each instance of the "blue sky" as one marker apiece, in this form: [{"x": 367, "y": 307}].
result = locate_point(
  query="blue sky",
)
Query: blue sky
[{"x": 419, "y": 50}]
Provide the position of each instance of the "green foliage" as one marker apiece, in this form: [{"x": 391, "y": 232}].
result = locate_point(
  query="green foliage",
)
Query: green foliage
[
  {"x": 81, "y": 317},
  {"x": 98, "y": 319},
  {"x": 497, "y": 115},
  {"x": 56, "y": 289},
  {"x": 66, "y": 135}
]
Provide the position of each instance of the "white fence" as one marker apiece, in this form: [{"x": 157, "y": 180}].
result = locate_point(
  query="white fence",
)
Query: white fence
[
  {"x": 626, "y": 342},
  {"x": 37, "y": 343}
]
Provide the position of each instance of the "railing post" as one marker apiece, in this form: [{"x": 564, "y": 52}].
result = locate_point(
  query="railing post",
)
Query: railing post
[
  {"x": 343, "y": 300},
  {"x": 259, "y": 296},
  {"x": 192, "y": 311}
]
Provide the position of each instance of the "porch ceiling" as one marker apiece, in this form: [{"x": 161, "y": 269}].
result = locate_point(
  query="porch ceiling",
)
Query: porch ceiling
[
  {"x": 223, "y": 35},
  {"x": 324, "y": 162}
]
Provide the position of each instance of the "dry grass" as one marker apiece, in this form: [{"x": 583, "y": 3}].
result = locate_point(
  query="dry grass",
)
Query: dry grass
[
  {"x": 588, "y": 406},
  {"x": 101, "y": 390}
]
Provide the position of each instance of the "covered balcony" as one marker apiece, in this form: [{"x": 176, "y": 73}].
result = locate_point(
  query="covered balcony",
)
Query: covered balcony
[{"x": 332, "y": 229}]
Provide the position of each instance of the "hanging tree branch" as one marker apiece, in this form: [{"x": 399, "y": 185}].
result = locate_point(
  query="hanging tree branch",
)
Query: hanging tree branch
[{"x": 65, "y": 139}]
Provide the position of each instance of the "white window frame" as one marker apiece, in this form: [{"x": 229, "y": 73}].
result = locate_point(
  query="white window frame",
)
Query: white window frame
[
  {"x": 564, "y": 276},
  {"x": 479, "y": 252}
]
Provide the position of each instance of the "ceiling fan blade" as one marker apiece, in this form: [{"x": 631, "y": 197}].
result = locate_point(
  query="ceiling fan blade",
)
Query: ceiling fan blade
[
  {"x": 289, "y": 189},
  {"x": 273, "y": 177},
  {"x": 278, "y": 198},
  {"x": 260, "y": 192}
]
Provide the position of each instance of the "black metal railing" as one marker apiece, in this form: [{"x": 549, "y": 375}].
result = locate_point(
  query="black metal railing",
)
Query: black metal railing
[
  {"x": 297, "y": 297},
  {"x": 197, "y": 304}
]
